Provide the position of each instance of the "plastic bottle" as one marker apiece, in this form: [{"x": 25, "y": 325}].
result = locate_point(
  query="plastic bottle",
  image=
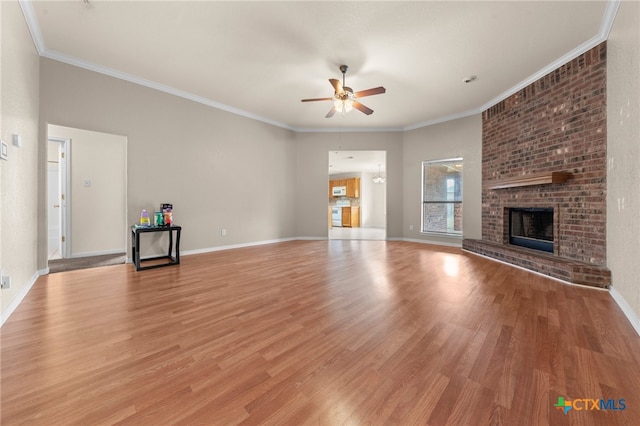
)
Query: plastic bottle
[{"x": 144, "y": 218}]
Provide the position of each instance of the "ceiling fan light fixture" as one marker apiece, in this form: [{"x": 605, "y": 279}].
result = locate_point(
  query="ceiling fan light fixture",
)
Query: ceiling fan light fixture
[
  {"x": 343, "y": 106},
  {"x": 345, "y": 99}
]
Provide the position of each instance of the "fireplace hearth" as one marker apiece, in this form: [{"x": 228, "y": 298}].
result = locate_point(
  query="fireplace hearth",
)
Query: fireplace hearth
[{"x": 531, "y": 228}]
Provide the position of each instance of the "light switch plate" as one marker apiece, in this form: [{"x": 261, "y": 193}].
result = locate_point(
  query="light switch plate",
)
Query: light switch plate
[
  {"x": 17, "y": 140},
  {"x": 4, "y": 151}
]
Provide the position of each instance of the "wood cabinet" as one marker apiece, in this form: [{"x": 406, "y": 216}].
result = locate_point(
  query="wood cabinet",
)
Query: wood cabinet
[
  {"x": 355, "y": 217},
  {"x": 353, "y": 187},
  {"x": 351, "y": 217}
]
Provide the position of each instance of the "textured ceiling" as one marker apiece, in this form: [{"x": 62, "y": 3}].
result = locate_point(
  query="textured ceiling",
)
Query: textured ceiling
[{"x": 259, "y": 59}]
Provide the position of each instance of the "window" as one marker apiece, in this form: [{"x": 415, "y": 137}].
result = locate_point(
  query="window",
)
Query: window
[{"x": 442, "y": 196}]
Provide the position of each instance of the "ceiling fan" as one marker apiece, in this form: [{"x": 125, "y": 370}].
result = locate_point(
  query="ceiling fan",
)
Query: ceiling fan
[{"x": 344, "y": 99}]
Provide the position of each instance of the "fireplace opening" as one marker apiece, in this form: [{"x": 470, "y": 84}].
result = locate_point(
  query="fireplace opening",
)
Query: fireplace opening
[{"x": 531, "y": 228}]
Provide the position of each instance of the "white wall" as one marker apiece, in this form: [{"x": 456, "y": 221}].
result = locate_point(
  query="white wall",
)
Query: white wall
[
  {"x": 623, "y": 153},
  {"x": 18, "y": 175},
  {"x": 98, "y": 211},
  {"x": 373, "y": 203},
  {"x": 219, "y": 170},
  {"x": 456, "y": 138}
]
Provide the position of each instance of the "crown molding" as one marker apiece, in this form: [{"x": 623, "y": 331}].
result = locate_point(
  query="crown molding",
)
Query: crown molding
[
  {"x": 57, "y": 56},
  {"x": 605, "y": 28},
  {"x": 32, "y": 23}
]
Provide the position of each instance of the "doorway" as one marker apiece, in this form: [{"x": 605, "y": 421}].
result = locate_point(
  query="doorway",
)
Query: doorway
[
  {"x": 366, "y": 170},
  {"x": 57, "y": 197},
  {"x": 87, "y": 175}
]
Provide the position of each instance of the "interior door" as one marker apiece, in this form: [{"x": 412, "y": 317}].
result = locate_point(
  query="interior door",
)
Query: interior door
[
  {"x": 57, "y": 198},
  {"x": 53, "y": 204}
]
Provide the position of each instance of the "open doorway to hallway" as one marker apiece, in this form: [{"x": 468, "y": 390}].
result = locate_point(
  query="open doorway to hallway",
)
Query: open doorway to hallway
[
  {"x": 357, "y": 195},
  {"x": 87, "y": 194}
]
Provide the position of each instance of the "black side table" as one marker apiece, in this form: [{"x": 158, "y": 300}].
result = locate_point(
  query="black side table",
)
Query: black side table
[{"x": 135, "y": 246}]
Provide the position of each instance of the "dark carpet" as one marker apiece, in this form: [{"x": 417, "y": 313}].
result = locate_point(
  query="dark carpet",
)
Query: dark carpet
[{"x": 61, "y": 265}]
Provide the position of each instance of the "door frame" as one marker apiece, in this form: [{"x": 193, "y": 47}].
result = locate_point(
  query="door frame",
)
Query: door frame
[
  {"x": 64, "y": 175},
  {"x": 362, "y": 172}
]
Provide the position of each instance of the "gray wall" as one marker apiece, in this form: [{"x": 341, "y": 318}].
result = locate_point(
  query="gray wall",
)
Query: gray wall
[
  {"x": 218, "y": 169},
  {"x": 19, "y": 175},
  {"x": 456, "y": 138},
  {"x": 312, "y": 175},
  {"x": 623, "y": 152}
]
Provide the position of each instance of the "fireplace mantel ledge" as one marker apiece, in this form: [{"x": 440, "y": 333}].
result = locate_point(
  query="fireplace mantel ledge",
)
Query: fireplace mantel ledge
[{"x": 529, "y": 180}]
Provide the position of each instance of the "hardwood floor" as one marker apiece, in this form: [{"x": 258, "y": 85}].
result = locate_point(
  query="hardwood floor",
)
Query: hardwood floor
[
  {"x": 342, "y": 233},
  {"x": 317, "y": 332}
]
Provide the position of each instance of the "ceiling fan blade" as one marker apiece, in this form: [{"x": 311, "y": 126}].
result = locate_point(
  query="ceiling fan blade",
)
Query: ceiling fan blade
[
  {"x": 337, "y": 86},
  {"x": 330, "y": 113},
  {"x": 369, "y": 92},
  {"x": 357, "y": 105},
  {"x": 316, "y": 99}
]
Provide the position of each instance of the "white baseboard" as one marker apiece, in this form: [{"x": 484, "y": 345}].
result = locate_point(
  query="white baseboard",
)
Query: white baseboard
[
  {"x": 18, "y": 299},
  {"x": 437, "y": 243},
  {"x": 234, "y": 246},
  {"x": 626, "y": 309}
]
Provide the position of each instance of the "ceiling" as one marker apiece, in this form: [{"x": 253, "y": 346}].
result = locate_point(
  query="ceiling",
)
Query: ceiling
[
  {"x": 259, "y": 59},
  {"x": 357, "y": 161}
]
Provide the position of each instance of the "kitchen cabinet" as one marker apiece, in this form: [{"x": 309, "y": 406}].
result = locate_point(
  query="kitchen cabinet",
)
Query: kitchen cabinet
[
  {"x": 353, "y": 188},
  {"x": 351, "y": 217},
  {"x": 352, "y": 185}
]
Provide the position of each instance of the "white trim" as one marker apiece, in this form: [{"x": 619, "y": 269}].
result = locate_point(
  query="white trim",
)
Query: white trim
[
  {"x": 65, "y": 188},
  {"x": 605, "y": 27},
  {"x": 609, "y": 18},
  {"x": 445, "y": 119},
  {"x": 627, "y": 310},
  {"x": 437, "y": 243},
  {"x": 32, "y": 23},
  {"x": 346, "y": 130},
  {"x": 536, "y": 272},
  {"x": 18, "y": 299},
  {"x": 234, "y": 246},
  {"x": 60, "y": 57}
]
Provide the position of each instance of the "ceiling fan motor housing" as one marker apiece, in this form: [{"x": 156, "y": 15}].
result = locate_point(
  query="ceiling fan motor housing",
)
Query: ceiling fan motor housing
[{"x": 347, "y": 93}]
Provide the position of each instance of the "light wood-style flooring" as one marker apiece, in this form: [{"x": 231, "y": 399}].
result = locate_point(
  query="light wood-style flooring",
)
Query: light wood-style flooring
[
  {"x": 316, "y": 332},
  {"x": 344, "y": 233}
]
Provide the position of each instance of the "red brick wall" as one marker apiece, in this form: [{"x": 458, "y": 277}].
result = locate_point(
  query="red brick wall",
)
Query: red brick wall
[{"x": 557, "y": 123}]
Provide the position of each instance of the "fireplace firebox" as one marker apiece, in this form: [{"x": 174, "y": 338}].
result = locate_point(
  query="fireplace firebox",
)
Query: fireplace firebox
[{"x": 531, "y": 228}]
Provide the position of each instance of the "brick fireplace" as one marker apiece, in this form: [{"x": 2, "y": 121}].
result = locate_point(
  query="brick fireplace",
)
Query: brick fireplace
[{"x": 544, "y": 147}]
